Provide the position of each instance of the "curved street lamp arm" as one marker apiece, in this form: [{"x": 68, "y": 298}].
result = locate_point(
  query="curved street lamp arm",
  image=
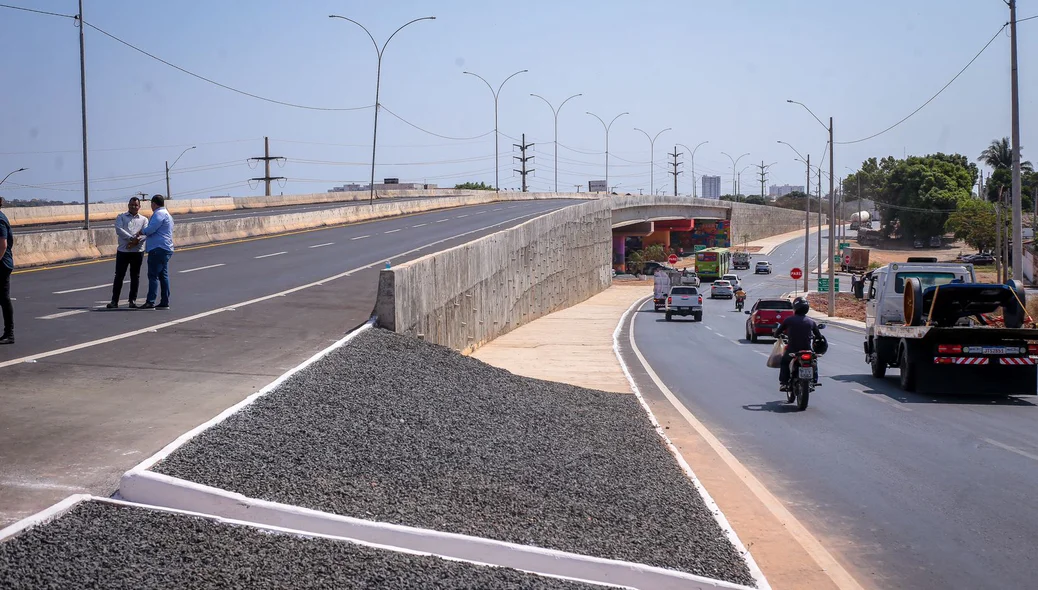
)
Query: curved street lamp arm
[
  {"x": 729, "y": 157},
  {"x": 373, "y": 42},
  {"x": 790, "y": 146},
  {"x": 569, "y": 99},
  {"x": 181, "y": 156},
  {"x": 659, "y": 134},
  {"x": 553, "y": 111},
  {"x": 401, "y": 27},
  {"x": 647, "y": 136},
  {"x": 604, "y": 126},
  {"x": 507, "y": 79},
  {"x": 10, "y": 173},
  {"x": 484, "y": 81},
  {"x": 826, "y": 127},
  {"x": 615, "y": 118}
]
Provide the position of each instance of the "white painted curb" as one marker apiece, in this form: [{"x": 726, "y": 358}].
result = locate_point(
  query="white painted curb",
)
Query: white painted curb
[{"x": 755, "y": 571}]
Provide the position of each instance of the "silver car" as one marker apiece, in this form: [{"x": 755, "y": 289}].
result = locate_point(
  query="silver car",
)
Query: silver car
[{"x": 721, "y": 289}]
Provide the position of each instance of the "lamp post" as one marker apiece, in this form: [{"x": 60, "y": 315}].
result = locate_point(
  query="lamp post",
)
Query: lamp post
[
  {"x": 168, "y": 168},
  {"x": 807, "y": 215},
  {"x": 555, "y": 112},
  {"x": 378, "y": 84},
  {"x": 10, "y": 173},
  {"x": 607, "y": 139},
  {"x": 652, "y": 156},
  {"x": 738, "y": 186},
  {"x": 735, "y": 162},
  {"x": 693, "y": 151},
  {"x": 497, "y": 157},
  {"x": 832, "y": 209}
]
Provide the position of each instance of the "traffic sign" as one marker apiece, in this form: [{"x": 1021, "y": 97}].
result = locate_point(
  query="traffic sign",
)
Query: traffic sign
[
  {"x": 796, "y": 274},
  {"x": 673, "y": 259},
  {"x": 823, "y": 285}
]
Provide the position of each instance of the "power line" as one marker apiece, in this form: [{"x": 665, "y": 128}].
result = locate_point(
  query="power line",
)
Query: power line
[
  {"x": 37, "y": 11},
  {"x": 910, "y": 115},
  {"x": 405, "y": 121},
  {"x": 214, "y": 82}
]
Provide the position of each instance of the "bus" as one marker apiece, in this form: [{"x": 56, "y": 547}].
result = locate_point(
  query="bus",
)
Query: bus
[{"x": 712, "y": 263}]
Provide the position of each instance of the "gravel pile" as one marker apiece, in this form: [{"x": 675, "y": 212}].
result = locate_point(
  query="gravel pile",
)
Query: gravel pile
[
  {"x": 393, "y": 429},
  {"x": 100, "y": 545}
]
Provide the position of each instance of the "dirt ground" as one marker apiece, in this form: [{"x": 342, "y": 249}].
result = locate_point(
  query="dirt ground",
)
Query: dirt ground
[
  {"x": 897, "y": 251},
  {"x": 846, "y": 305}
]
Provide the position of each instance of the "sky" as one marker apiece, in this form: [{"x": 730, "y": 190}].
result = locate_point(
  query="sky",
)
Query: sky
[{"x": 717, "y": 72}]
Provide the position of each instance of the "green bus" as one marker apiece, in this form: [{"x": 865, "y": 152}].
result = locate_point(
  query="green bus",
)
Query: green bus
[{"x": 712, "y": 263}]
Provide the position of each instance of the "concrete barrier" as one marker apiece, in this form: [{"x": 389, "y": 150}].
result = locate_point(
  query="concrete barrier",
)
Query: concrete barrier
[
  {"x": 473, "y": 293},
  {"x": 753, "y": 222}
]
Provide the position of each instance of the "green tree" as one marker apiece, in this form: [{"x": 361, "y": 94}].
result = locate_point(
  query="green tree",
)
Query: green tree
[
  {"x": 1001, "y": 182},
  {"x": 921, "y": 191},
  {"x": 756, "y": 200},
  {"x": 474, "y": 186},
  {"x": 999, "y": 156},
  {"x": 795, "y": 200},
  {"x": 974, "y": 222}
]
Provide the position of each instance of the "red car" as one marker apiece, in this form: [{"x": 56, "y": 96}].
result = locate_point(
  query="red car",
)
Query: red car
[{"x": 765, "y": 316}]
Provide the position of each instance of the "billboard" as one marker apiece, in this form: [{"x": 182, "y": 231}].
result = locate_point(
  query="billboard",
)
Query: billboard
[{"x": 597, "y": 186}]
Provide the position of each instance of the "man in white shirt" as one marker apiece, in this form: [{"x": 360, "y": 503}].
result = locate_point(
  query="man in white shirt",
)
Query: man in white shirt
[{"x": 130, "y": 253}]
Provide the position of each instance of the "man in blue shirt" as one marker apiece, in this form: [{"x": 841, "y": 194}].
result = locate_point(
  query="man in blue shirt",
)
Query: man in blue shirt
[
  {"x": 159, "y": 233},
  {"x": 6, "y": 268}
]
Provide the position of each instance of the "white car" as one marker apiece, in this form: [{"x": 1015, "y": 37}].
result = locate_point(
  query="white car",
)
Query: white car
[
  {"x": 762, "y": 267},
  {"x": 733, "y": 279},
  {"x": 721, "y": 289}
]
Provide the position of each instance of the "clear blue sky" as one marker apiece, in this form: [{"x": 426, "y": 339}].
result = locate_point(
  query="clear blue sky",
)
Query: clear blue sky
[{"x": 713, "y": 71}]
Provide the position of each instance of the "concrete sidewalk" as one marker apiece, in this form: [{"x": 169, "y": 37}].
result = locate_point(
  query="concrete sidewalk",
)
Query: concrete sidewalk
[{"x": 575, "y": 346}]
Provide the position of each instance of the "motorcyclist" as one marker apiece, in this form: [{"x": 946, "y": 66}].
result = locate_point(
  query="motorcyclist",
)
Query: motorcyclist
[
  {"x": 801, "y": 333},
  {"x": 740, "y": 297}
]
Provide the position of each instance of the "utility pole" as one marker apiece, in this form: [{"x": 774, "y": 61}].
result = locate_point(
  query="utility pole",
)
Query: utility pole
[
  {"x": 523, "y": 159},
  {"x": 1018, "y": 238},
  {"x": 578, "y": 187},
  {"x": 266, "y": 166},
  {"x": 675, "y": 171},
  {"x": 807, "y": 224},
  {"x": 819, "y": 220},
  {"x": 82, "y": 98},
  {"x": 832, "y": 222},
  {"x": 998, "y": 236}
]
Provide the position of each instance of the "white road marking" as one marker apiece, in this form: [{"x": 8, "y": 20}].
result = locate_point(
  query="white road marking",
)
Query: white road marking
[
  {"x": 203, "y": 268},
  {"x": 63, "y": 314},
  {"x": 392, "y": 231},
  {"x": 763, "y": 354},
  {"x": 322, "y": 245},
  {"x": 1006, "y": 447},
  {"x": 35, "y": 357},
  {"x": 420, "y": 225},
  {"x": 442, "y": 220},
  {"x": 460, "y": 216},
  {"x": 882, "y": 398},
  {"x": 512, "y": 207},
  {"x": 498, "y": 209},
  {"x": 360, "y": 237},
  {"x": 86, "y": 288},
  {"x": 269, "y": 255},
  {"x": 840, "y": 576},
  {"x": 40, "y": 485}
]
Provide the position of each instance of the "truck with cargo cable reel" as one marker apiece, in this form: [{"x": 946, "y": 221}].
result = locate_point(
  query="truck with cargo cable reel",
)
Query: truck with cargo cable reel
[{"x": 934, "y": 322}]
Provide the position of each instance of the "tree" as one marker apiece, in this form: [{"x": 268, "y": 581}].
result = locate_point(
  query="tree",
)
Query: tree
[
  {"x": 795, "y": 200},
  {"x": 921, "y": 191},
  {"x": 756, "y": 200},
  {"x": 1001, "y": 181},
  {"x": 975, "y": 223},
  {"x": 999, "y": 156},
  {"x": 474, "y": 186}
]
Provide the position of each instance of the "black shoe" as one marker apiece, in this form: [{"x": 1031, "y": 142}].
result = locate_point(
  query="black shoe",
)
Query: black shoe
[
  {"x": 783, "y": 387},
  {"x": 7, "y": 338},
  {"x": 132, "y": 305},
  {"x": 162, "y": 306},
  {"x": 112, "y": 305},
  {"x": 148, "y": 305}
]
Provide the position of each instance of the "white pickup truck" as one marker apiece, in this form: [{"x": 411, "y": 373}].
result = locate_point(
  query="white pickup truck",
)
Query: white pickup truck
[
  {"x": 931, "y": 320},
  {"x": 663, "y": 280},
  {"x": 685, "y": 301}
]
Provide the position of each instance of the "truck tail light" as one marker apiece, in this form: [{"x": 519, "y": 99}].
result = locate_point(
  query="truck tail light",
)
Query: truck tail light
[
  {"x": 949, "y": 348},
  {"x": 700, "y": 299},
  {"x": 670, "y": 300},
  {"x": 1032, "y": 349}
]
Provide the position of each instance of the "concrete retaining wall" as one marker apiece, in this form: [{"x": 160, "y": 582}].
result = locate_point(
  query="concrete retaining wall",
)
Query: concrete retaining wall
[
  {"x": 55, "y": 247},
  {"x": 753, "y": 222},
  {"x": 471, "y": 294}
]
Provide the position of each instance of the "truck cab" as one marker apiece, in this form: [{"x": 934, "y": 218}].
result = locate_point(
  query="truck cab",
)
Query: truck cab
[{"x": 885, "y": 288}]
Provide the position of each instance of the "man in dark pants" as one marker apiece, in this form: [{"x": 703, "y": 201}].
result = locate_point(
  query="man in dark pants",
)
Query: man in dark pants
[
  {"x": 6, "y": 268},
  {"x": 801, "y": 332},
  {"x": 130, "y": 253},
  {"x": 159, "y": 232}
]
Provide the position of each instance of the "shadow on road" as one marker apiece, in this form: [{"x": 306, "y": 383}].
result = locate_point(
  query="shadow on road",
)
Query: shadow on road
[
  {"x": 778, "y": 407},
  {"x": 888, "y": 387}
]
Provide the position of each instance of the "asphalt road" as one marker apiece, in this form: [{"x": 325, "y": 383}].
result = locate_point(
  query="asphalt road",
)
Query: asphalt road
[
  {"x": 88, "y": 392},
  {"x": 210, "y": 216},
  {"x": 908, "y": 491}
]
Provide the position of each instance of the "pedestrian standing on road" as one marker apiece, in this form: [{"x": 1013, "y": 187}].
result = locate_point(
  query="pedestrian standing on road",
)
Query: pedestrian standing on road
[
  {"x": 159, "y": 233},
  {"x": 6, "y": 268},
  {"x": 130, "y": 253}
]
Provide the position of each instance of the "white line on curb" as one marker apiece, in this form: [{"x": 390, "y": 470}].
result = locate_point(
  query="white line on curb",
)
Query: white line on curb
[
  {"x": 202, "y": 268},
  {"x": 836, "y": 572}
]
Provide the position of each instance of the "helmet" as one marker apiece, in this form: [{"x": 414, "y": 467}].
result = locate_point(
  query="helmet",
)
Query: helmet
[
  {"x": 820, "y": 345},
  {"x": 801, "y": 306}
]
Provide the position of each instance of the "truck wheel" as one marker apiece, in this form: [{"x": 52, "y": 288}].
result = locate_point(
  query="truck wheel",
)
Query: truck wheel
[
  {"x": 907, "y": 372},
  {"x": 698, "y": 316},
  {"x": 668, "y": 316},
  {"x": 879, "y": 365},
  {"x": 1013, "y": 313}
]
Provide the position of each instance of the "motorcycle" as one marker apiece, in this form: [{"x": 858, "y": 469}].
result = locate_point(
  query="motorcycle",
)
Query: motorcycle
[
  {"x": 803, "y": 374},
  {"x": 739, "y": 303}
]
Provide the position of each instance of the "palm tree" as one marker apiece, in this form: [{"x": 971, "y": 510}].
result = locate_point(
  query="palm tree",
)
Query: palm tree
[{"x": 999, "y": 155}]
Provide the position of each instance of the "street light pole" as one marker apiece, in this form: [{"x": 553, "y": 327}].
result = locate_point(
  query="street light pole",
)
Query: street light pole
[
  {"x": 10, "y": 173},
  {"x": 652, "y": 156},
  {"x": 82, "y": 100},
  {"x": 693, "y": 164},
  {"x": 168, "y": 168},
  {"x": 555, "y": 112},
  {"x": 497, "y": 157},
  {"x": 378, "y": 85},
  {"x": 607, "y": 127},
  {"x": 735, "y": 162},
  {"x": 1018, "y": 238}
]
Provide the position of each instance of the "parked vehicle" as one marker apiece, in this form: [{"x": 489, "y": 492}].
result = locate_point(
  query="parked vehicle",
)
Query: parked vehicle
[
  {"x": 855, "y": 260},
  {"x": 685, "y": 301},
  {"x": 733, "y": 279},
  {"x": 763, "y": 267},
  {"x": 869, "y": 237},
  {"x": 930, "y": 320},
  {"x": 860, "y": 218},
  {"x": 741, "y": 260},
  {"x": 721, "y": 289},
  {"x": 666, "y": 278},
  {"x": 979, "y": 259},
  {"x": 765, "y": 316}
]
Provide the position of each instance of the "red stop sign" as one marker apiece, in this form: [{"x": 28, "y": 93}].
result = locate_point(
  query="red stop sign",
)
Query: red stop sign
[
  {"x": 796, "y": 273},
  {"x": 673, "y": 259}
]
